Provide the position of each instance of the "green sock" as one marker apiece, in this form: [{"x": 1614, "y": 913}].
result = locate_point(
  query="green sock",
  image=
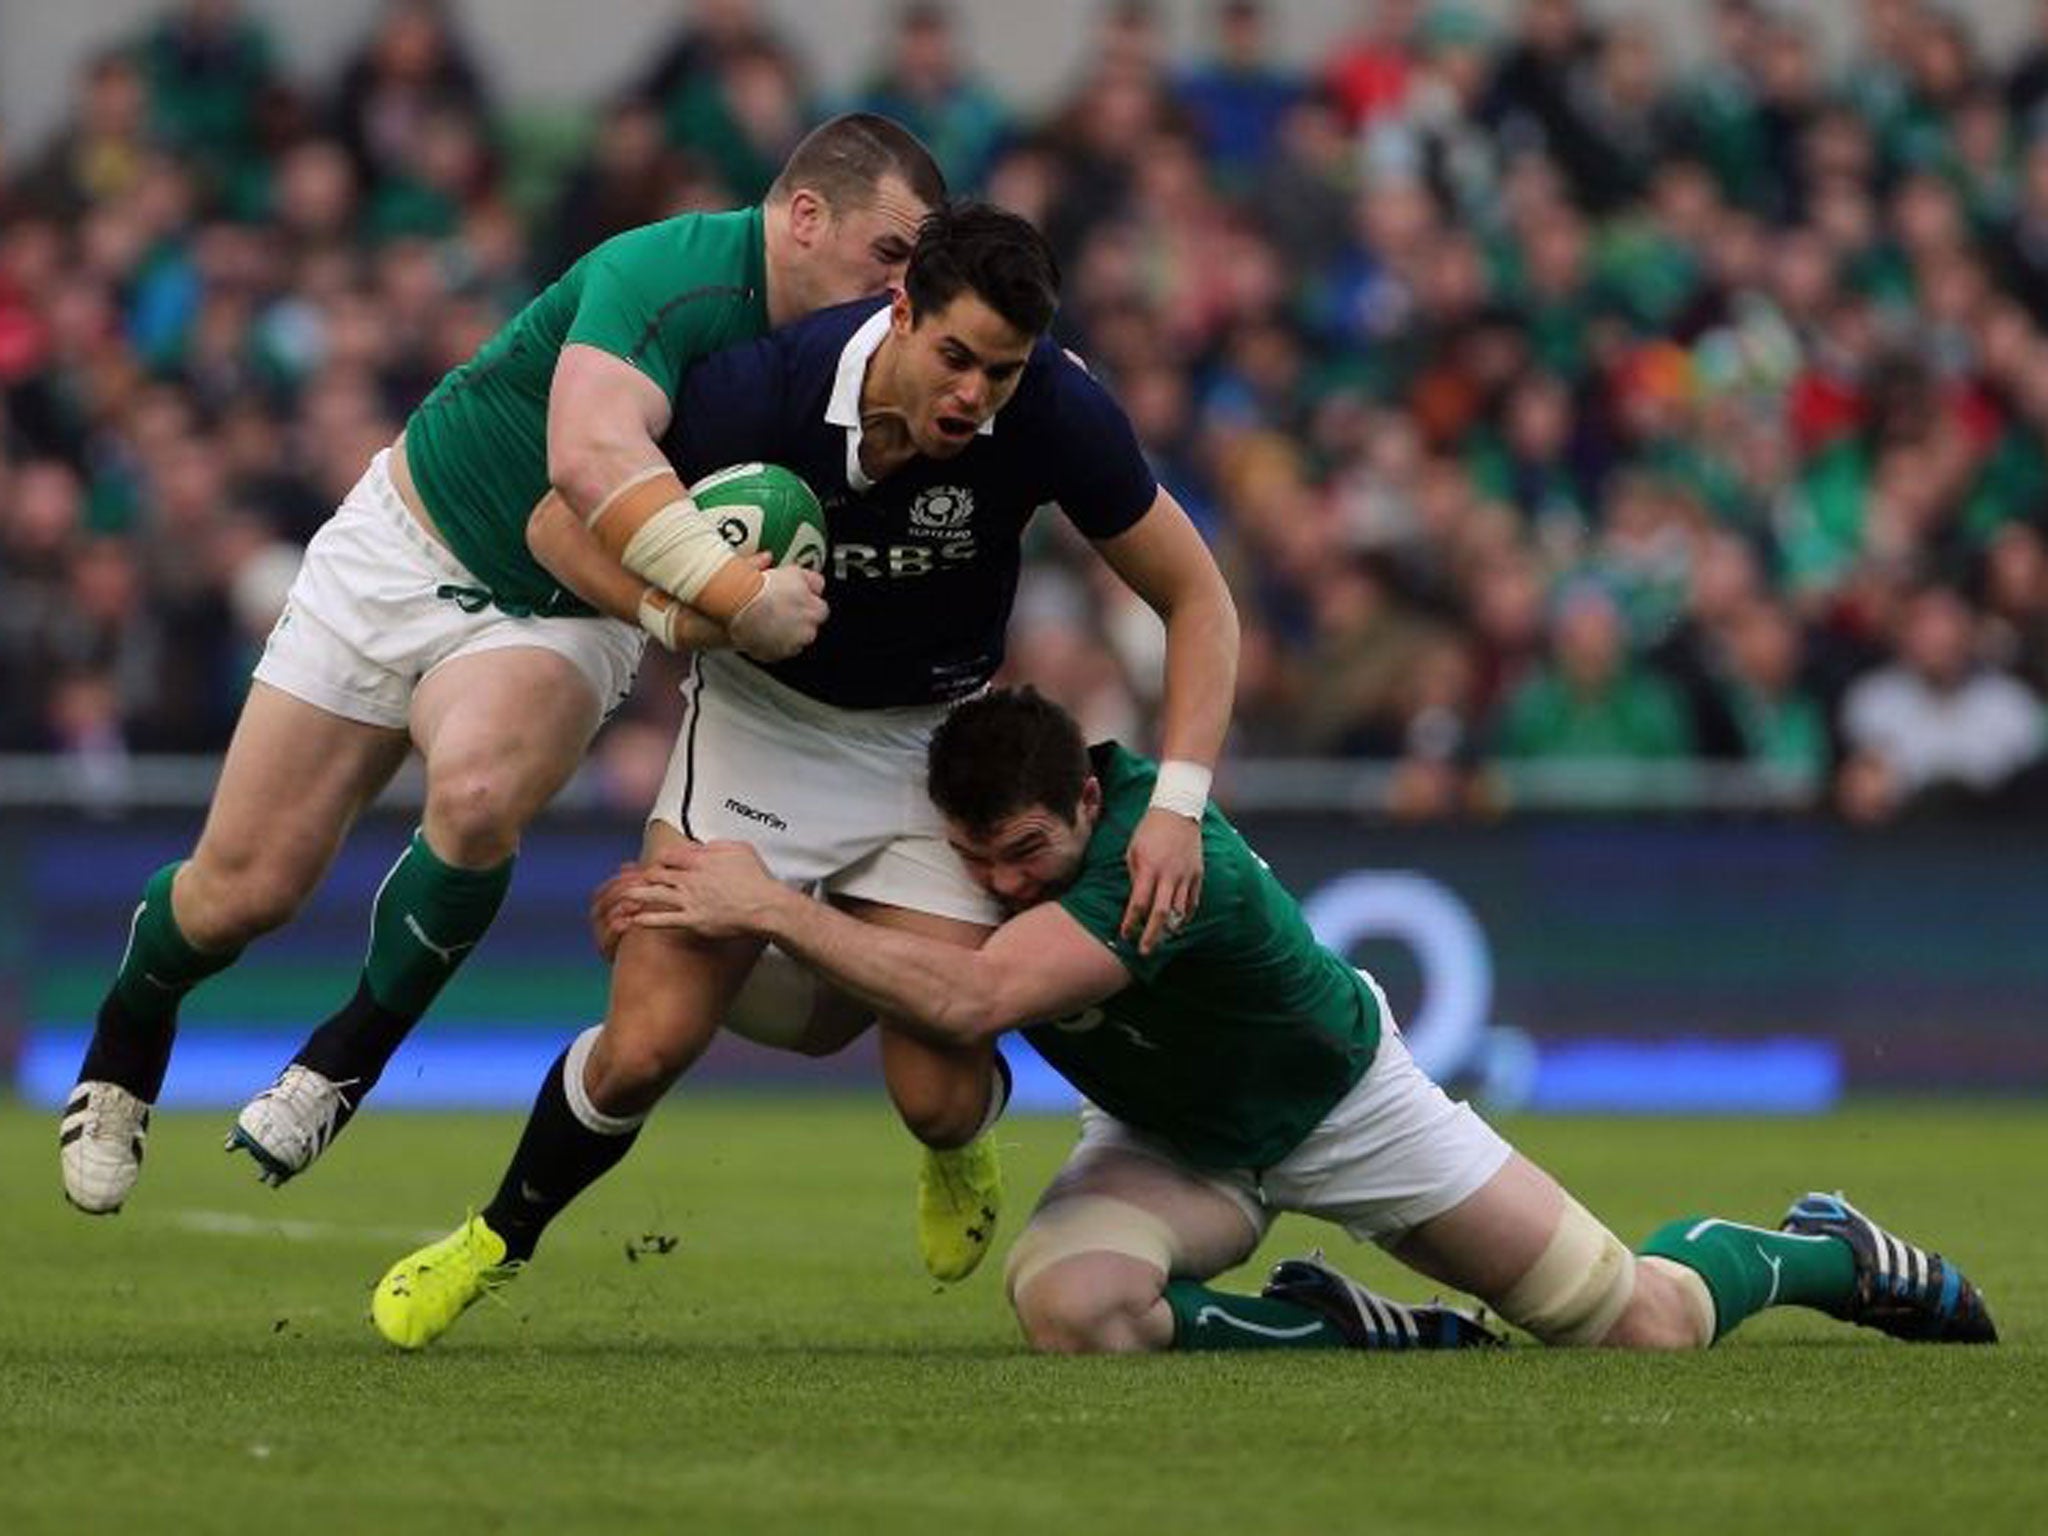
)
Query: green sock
[
  {"x": 428, "y": 917},
  {"x": 1749, "y": 1268},
  {"x": 1206, "y": 1319},
  {"x": 160, "y": 965},
  {"x": 138, "y": 1018}
]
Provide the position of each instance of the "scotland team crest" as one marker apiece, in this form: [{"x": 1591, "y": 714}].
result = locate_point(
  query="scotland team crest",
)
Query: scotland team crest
[{"x": 942, "y": 506}]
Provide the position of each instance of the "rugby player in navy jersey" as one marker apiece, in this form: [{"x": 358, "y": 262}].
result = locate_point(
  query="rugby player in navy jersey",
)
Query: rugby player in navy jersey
[{"x": 932, "y": 427}]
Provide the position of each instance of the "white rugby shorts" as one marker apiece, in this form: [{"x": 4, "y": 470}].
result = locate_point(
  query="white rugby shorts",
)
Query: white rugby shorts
[
  {"x": 362, "y": 625},
  {"x": 832, "y": 798},
  {"x": 1394, "y": 1152}
]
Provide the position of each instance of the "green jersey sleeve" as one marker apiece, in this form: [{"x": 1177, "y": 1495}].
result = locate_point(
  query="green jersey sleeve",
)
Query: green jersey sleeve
[
  {"x": 633, "y": 308},
  {"x": 658, "y": 297}
]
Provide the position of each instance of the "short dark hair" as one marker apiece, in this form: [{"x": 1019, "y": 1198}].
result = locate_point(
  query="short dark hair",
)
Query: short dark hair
[
  {"x": 845, "y": 160},
  {"x": 996, "y": 253},
  {"x": 1002, "y": 752}
]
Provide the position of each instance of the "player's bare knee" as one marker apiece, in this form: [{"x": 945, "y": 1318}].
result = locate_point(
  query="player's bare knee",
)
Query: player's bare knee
[
  {"x": 1045, "y": 1314},
  {"x": 947, "y": 1103},
  {"x": 224, "y": 897},
  {"x": 945, "y": 1119},
  {"x": 1671, "y": 1309},
  {"x": 1081, "y": 1306},
  {"x": 1649, "y": 1327},
  {"x": 472, "y": 818},
  {"x": 1086, "y": 1271},
  {"x": 627, "y": 1074}
]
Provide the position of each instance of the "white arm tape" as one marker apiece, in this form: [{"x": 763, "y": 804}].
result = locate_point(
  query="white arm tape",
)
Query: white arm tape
[
  {"x": 1182, "y": 788},
  {"x": 678, "y": 549}
]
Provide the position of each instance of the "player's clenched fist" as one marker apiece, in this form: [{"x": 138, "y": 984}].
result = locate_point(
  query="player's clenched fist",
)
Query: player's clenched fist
[{"x": 782, "y": 617}]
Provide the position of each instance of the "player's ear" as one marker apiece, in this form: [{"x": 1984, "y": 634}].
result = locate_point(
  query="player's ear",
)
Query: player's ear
[
  {"x": 900, "y": 318},
  {"x": 1091, "y": 800},
  {"x": 809, "y": 216}
]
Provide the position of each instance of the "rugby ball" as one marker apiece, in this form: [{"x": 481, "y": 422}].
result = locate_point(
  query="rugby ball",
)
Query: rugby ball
[{"x": 765, "y": 507}]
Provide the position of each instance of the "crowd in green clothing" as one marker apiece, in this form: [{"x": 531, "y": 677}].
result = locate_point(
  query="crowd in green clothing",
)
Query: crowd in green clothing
[{"x": 1547, "y": 397}]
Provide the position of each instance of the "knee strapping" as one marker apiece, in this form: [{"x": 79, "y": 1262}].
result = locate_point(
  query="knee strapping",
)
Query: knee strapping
[
  {"x": 1078, "y": 1224},
  {"x": 1580, "y": 1285}
]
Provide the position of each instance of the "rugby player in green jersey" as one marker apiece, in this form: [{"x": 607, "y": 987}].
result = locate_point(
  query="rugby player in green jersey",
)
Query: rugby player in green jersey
[
  {"x": 420, "y": 619},
  {"x": 1238, "y": 1070}
]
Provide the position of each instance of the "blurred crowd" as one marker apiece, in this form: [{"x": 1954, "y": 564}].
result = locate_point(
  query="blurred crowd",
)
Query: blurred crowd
[{"x": 1548, "y": 400}]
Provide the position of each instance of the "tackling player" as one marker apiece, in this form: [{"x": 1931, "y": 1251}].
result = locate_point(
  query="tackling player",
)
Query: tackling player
[
  {"x": 932, "y": 427},
  {"x": 1241, "y": 1070},
  {"x": 421, "y": 619}
]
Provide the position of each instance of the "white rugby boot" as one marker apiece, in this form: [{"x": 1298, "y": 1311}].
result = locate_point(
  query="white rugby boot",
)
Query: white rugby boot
[
  {"x": 99, "y": 1144},
  {"x": 291, "y": 1122}
]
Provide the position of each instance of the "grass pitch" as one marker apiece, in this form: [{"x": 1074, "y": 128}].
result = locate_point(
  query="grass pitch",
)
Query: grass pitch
[{"x": 203, "y": 1362}]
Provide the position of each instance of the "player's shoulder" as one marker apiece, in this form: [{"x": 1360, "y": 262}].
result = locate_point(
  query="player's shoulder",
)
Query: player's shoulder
[
  {"x": 1059, "y": 369},
  {"x": 804, "y": 356},
  {"x": 720, "y": 244},
  {"x": 1056, "y": 394},
  {"x": 807, "y": 349},
  {"x": 825, "y": 333}
]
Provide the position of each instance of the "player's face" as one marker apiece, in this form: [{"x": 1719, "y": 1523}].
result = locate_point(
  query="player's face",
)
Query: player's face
[
  {"x": 955, "y": 368},
  {"x": 1031, "y": 856},
  {"x": 860, "y": 252}
]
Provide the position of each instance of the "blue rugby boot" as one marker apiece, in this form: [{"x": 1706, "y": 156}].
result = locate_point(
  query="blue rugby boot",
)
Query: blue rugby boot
[
  {"x": 1901, "y": 1290},
  {"x": 1369, "y": 1320}
]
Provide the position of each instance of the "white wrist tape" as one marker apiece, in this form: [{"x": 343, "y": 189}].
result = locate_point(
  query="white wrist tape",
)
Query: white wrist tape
[
  {"x": 1182, "y": 788},
  {"x": 658, "y": 614}
]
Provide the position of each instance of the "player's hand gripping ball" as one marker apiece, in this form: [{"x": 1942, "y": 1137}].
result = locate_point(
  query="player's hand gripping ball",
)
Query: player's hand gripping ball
[{"x": 765, "y": 507}]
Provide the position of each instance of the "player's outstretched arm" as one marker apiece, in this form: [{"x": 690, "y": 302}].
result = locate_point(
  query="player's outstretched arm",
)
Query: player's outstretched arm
[
  {"x": 1041, "y": 964},
  {"x": 1162, "y": 558}
]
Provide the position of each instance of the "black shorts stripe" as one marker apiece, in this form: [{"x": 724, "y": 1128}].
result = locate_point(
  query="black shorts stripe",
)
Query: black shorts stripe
[
  {"x": 694, "y": 695},
  {"x": 71, "y": 1134}
]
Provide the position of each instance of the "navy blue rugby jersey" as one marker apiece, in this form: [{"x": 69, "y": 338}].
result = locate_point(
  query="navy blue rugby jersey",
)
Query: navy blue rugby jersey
[{"x": 923, "y": 566}]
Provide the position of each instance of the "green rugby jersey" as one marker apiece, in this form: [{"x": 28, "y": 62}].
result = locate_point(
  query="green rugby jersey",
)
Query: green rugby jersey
[
  {"x": 1238, "y": 1034},
  {"x": 660, "y": 297}
]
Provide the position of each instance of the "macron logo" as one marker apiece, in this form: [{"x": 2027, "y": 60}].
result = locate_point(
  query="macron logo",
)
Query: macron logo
[{"x": 767, "y": 819}]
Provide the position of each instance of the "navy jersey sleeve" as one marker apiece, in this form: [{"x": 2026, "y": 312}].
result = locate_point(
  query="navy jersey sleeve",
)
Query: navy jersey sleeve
[
  {"x": 729, "y": 410},
  {"x": 1100, "y": 477}
]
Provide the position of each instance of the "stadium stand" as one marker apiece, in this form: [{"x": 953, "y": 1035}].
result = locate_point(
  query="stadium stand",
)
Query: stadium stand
[{"x": 1547, "y": 402}]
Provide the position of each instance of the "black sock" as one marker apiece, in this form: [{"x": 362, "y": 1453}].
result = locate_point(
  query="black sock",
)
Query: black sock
[
  {"x": 558, "y": 1158},
  {"x": 356, "y": 1043},
  {"x": 129, "y": 1051}
]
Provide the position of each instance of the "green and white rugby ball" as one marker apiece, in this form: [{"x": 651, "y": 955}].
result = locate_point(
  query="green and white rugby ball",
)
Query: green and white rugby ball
[{"x": 765, "y": 507}]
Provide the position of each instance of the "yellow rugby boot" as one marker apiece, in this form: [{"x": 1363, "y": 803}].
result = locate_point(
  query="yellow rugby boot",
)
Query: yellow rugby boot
[
  {"x": 959, "y": 1197},
  {"x": 421, "y": 1295}
]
